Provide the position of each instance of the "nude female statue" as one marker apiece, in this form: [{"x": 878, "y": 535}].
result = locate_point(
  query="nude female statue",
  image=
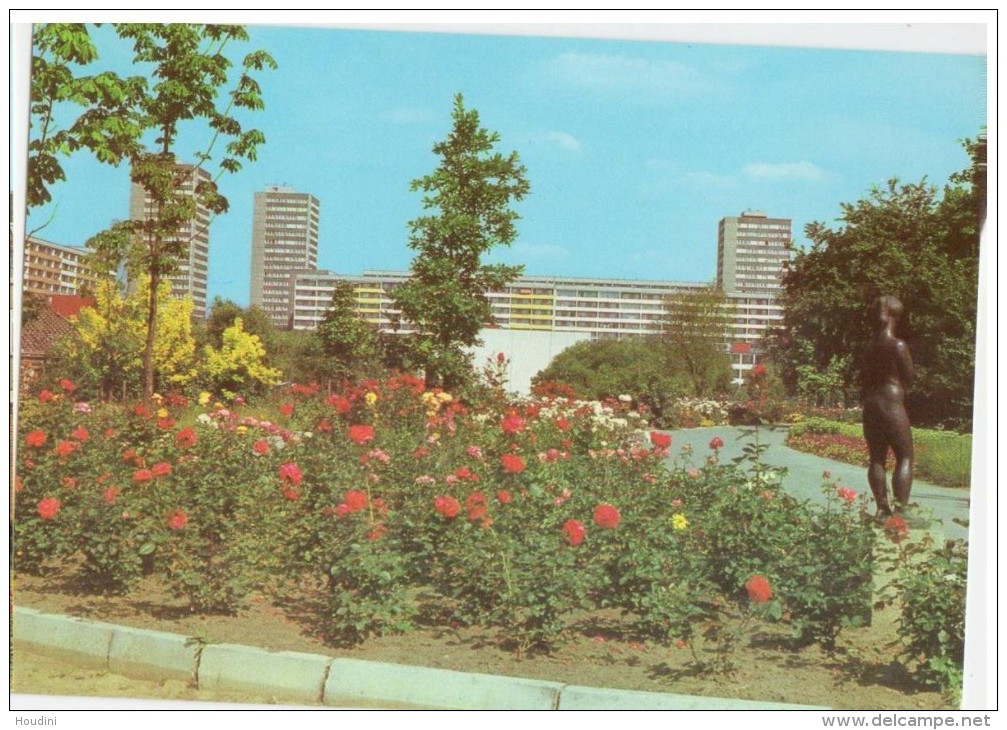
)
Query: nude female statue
[{"x": 886, "y": 372}]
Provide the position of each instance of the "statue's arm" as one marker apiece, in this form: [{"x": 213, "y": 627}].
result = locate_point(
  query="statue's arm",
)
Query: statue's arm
[{"x": 906, "y": 371}]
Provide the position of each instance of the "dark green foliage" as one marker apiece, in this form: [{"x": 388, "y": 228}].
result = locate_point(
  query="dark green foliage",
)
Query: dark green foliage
[
  {"x": 470, "y": 193},
  {"x": 906, "y": 241},
  {"x": 694, "y": 337},
  {"x": 349, "y": 345}
]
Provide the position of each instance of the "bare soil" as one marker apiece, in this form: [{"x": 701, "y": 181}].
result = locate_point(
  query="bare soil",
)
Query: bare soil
[{"x": 863, "y": 675}]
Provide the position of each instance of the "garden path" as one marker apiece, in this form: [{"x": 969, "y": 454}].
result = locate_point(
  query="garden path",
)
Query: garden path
[{"x": 804, "y": 473}]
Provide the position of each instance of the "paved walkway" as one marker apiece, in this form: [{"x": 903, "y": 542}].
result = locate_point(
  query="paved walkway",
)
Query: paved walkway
[{"x": 804, "y": 473}]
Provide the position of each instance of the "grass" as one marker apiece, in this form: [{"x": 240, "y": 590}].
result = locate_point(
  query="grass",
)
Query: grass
[{"x": 941, "y": 457}]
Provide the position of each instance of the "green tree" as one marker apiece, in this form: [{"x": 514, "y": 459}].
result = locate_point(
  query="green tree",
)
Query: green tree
[
  {"x": 222, "y": 314},
  {"x": 238, "y": 366},
  {"x": 693, "y": 339},
  {"x": 70, "y": 110},
  {"x": 903, "y": 240},
  {"x": 602, "y": 369},
  {"x": 105, "y": 353},
  {"x": 471, "y": 192},
  {"x": 349, "y": 344},
  {"x": 189, "y": 73}
]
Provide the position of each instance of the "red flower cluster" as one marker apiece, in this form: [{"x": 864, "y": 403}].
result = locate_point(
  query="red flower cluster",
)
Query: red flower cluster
[
  {"x": 65, "y": 448},
  {"x": 660, "y": 440},
  {"x": 355, "y": 500},
  {"x": 287, "y": 409},
  {"x": 606, "y": 516},
  {"x": 361, "y": 435},
  {"x": 847, "y": 495},
  {"x": 512, "y": 463},
  {"x": 141, "y": 411},
  {"x": 574, "y": 532},
  {"x": 290, "y": 474},
  {"x": 759, "y": 590},
  {"x": 166, "y": 424},
  {"x": 716, "y": 443},
  {"x": 512, "y": 424},
  {"x": 80, "y": 433},
  {"x": 67, "y": 385},
  {"x": 45, "y": 396},
  {"x": 260, "y": 447},
  {"x": 186, "y": 438},
  {"x": 141, "y": 476},
  {"x": 896, "y": 529},
  {"x": 562, "y": 424},
  {"x": 340, "y": 403},
  {"x": 36, "y": 439},
  {"x": 177, "y": 519},
  {"x": 161, "y": 469},
  {"x": 447, "y": 506},
  {"x": 110, "y": 495},
  {"x": 504, "y": 497},
  {"x": 476, "y": 505},
  {"x": 48, "y": 508}
]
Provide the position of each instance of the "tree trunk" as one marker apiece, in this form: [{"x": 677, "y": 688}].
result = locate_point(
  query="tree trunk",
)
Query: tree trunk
[{"x": 148, "y": 350}]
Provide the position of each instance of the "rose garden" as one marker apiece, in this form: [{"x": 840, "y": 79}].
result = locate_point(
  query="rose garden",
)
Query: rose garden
[{"x": 398, "y": 507}]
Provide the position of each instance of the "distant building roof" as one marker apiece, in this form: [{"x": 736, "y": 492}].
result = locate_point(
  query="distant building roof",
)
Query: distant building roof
[{"x": 68, "y": 305}]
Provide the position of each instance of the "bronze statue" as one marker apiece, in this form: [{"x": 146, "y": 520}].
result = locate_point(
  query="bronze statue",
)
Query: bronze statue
[{"x": 886, "y": 372}]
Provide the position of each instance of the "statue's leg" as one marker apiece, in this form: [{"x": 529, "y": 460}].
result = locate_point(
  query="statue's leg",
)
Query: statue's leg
[
  {"x": 877, "y": 446},
  {"x": 902, "y": 445}
]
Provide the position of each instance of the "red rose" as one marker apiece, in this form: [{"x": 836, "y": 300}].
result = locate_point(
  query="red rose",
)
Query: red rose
[
  {"x": 67, "y": 385},
  {"x": 504, "y": 497},
  {"x": 45, "y": 396},
  {"x": 562, "y": 424},
  {"x": 501, "y": 358},
  {"x": 716, "y": 443},
  {"x": 476, "y": 505},
  {"x": 660, "y": 440},
  {"x": 607, "y": 516},
  {"x": 36, "y": 439},
  {"x": 80, "y": 433},
  {"x": 110, "y": 495},
  {"x": 291, "y": 492},
  {"x": 68, "y": 482},
  {"x": 896, "y": 529},
  {"x": 161, "y": 469},
  {"x": 341, "y": 404},
  {"x": 377, "y": 533},
  {"x": 512, "y": 463},
  {"x": 48, "y": 508},
  {"x": 177, "y": 519},
  {"x": 361, "y": 435},
  {"x": 759, "y": 370},
  {"x": 186, "y": 437},
  {"x": 574, "y": 531},
  {"x": 290, "y": 474},
  {"x": 142, "y": 475},
  {"x": 65, "y": 448},
  {"x": 165, "y": 424},
  {"x": 355, "y": 500},
  {"x": 759, "y": 590},
  {"x": 447, "y": 506},
  {"x": 512, "y": 424},
  {"x": 287, "y": 409},
  {"x": 260, "y": 447},
  {"x": 141, "y": 411},
  {"x": 847, "y": 495}
]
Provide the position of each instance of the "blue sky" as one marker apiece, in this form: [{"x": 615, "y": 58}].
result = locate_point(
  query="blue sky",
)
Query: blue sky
[{"x": 634, "y": 149}]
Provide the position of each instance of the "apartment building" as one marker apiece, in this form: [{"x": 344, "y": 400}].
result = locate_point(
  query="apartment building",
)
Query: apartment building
[
  {"x": 751, "y": 251},
  {"x": 190, "y": 278},
  {"x": 284, "y": 241},
  {"x": 52, "y": 268}
]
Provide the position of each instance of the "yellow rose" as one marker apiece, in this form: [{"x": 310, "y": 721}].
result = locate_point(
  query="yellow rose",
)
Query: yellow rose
[
  {"x": 678, "y": 521},
  {"x": 162, "y": 412},
  {"x": 204, "y": 398},
  {"x": 370, "y": 399}
]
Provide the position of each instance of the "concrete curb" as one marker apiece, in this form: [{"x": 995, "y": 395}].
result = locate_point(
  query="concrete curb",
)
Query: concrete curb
[{"x": 315, "y": 678}]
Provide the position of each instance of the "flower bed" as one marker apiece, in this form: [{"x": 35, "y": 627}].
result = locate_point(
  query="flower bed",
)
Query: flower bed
[
  {"x": 404, "y": 506},
  {"x": 942, "y": 457}
]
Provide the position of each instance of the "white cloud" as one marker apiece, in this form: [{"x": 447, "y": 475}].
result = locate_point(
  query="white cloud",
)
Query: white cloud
[
  {"x": 783, "y": 171},
  {"x": 627, "y": 73},
  {"x": 564, "y": 141}
]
